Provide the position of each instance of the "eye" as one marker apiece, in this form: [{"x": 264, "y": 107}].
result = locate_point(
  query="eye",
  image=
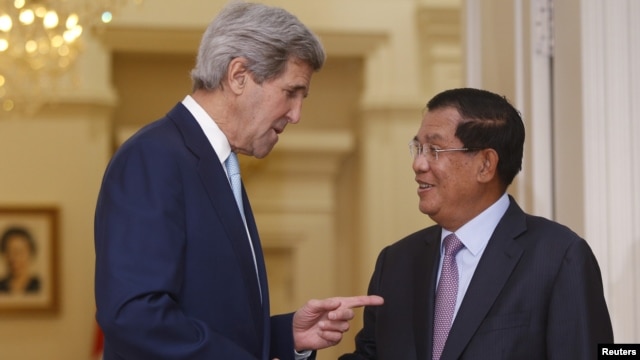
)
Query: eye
[{"x": 295, "y": 92}]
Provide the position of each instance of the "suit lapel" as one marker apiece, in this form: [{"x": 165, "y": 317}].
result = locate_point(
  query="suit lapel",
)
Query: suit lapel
[
  {"x": 257, "y": 247},
  {"x": 216, "y": 184},
  {"x": 496, "y": 265},
  {"x": 262, "y": 273},
  {"x": 425, "y": 273}
]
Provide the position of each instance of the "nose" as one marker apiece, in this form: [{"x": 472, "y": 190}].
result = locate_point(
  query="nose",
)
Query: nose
[
  {"x": 295, "y": 112},
  {"x": 420, "y": 164}
]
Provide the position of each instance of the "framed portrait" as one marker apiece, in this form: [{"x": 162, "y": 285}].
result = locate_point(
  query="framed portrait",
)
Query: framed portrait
[{"x": 28, "y": 259}]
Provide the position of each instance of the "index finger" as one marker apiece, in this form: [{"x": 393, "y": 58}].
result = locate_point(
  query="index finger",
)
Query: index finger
[{"x": 362, "y": 300}]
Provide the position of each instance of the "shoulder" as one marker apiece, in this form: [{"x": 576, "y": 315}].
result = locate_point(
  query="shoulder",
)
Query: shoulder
[
  {"x": 534, "y": 230},
  {"x": 549, "y": 230},
  {"x": 416, "y": 240},
  {"x": 552, "y": 242},
  {"x": 34, "y": 285},
  {"x": 159, "y": 133},
  {"x": 159, "y": 141}
]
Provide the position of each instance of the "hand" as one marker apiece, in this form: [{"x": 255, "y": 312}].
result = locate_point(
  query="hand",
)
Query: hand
[{"x": 321, "y": 323}]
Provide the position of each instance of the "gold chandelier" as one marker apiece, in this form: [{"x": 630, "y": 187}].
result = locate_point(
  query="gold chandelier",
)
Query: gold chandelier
[{"x": 39, "y": 41}]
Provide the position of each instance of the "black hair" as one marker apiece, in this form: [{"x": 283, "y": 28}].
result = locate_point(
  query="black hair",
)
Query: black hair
[
  {"x": 489, "y": 121},
  {"x": 17, "y": 231}
]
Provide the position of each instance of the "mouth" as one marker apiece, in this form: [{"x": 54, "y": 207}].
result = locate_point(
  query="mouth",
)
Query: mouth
[
  {"x": 279, "y": 126},
  {"x": 424, "y": 186}
]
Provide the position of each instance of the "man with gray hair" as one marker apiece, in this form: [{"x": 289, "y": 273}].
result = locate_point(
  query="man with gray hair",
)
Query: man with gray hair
[{"x": 180, "y": 272}]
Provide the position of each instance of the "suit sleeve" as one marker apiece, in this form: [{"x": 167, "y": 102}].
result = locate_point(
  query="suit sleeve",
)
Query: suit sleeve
[
  {"x": 365, "y": 339},
  {"x": 140, "y": 246},
  {"x": 578, "y": 316},
  {"x": 282, "y": 345}
]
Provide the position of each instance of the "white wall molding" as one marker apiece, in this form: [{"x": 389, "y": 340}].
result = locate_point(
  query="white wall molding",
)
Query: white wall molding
[
  {"x": 540, "y": 122},
  {"x": 610, "y": 53},
  {"x": 473, "y": 42}
]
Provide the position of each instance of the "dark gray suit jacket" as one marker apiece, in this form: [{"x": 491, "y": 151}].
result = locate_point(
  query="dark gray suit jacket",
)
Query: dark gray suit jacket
[{"x": 536, "y": 294}]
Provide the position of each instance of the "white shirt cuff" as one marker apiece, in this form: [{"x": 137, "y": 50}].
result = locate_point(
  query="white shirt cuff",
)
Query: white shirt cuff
[{"x": 303, "y": 355}]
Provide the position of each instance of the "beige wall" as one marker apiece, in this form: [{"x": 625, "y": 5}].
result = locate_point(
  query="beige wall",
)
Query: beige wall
[
  {"x": 568, "y": 132},
  {"x": 336, "y": 190},
  {"x": 56, "y": 161}
]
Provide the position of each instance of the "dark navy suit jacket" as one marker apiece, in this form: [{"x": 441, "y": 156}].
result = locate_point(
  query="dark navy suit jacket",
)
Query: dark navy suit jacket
[
  {"x": 536, "y": 294},
  {"x": 175, "y": 277}
]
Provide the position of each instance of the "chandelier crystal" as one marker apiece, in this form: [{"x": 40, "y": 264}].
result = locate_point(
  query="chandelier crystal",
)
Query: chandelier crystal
[{"x": 39, "y": 41}]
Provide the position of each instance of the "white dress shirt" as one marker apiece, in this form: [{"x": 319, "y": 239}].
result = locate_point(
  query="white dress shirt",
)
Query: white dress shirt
[{"x": 475, "y": 236}]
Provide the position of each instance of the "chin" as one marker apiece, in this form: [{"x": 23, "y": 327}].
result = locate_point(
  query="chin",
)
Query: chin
[
  {"x": 262, "y": 153},
  {"x": 425, "y": 210},
  {"x": 429, "y": 210}
]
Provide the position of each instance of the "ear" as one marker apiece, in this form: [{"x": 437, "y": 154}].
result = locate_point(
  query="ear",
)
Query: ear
[
  {"x": 237, "y": 75},
  {"x": 488, "y": 165}
]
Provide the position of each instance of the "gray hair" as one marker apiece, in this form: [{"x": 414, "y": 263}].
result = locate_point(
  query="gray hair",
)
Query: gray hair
[{"x": 266, "y": 36}]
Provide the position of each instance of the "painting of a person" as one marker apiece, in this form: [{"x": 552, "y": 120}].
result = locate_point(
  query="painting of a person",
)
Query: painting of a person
[{"x": 18, "y": 248}]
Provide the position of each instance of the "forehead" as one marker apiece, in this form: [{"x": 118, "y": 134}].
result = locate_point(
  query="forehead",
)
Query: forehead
[
  {"x": 17, "y": 240},
  {"x": 439, "y": 125}
]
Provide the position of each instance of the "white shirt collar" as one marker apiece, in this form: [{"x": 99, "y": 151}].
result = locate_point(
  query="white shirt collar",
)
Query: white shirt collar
[
  {"x": 216, "y": 137},
  {"x": 476, "y": 233}
]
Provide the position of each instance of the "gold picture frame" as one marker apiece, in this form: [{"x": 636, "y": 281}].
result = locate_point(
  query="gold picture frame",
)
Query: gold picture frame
[{"x": 28, "y": 259}]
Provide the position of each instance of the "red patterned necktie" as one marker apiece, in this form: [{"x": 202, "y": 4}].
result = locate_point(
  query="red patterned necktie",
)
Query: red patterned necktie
[{"x": 446, "y": 294}]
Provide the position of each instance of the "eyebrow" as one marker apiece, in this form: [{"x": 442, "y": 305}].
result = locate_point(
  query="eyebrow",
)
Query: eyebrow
[{"x": 430, "y": 138}]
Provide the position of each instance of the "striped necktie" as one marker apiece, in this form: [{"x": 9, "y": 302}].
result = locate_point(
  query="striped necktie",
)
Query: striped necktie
[
  {"x": 233, "y": 170},
  {"x": 446, "y": 294}
]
